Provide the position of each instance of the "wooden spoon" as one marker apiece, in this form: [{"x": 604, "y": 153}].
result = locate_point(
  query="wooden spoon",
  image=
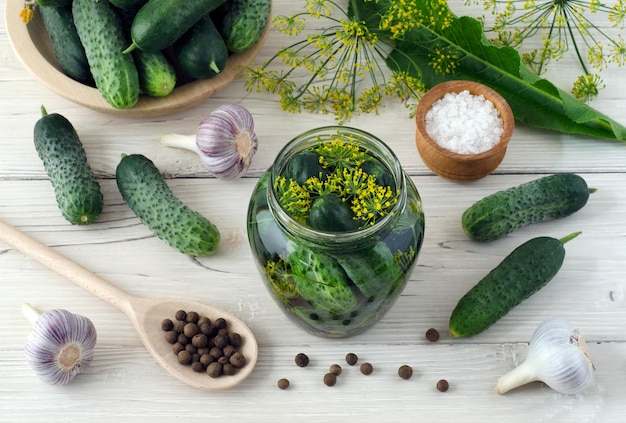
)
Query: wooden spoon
[{"x": 146, "y": 314}]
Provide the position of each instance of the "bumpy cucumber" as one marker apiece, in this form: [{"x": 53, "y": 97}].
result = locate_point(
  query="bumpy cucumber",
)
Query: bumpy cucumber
[
  {"x": 150, "y": 198},
  {"x": 68, "y": 49},
  {"x": 77, "y": 191},
  {"x": 159, "y": 23},
  {"x": 157, "y": 76},
  {"x": 244, "y": 23},
  {"x": 522, "y": 273},
  {"x": 201, "y": 51},
  {"x": 100, "y": 31},
  {"x": 545, "y": 198}
]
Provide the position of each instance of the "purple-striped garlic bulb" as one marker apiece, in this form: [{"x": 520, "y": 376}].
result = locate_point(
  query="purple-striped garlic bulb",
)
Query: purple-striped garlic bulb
[
  {"x": 224, "y": 140},
  {"x": 60, "y": 345}
]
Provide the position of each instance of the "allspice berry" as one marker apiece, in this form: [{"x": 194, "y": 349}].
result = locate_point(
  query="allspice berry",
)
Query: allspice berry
[
  {"x": 167, "y": 324},
  {"x": 181, "y": 315},
  {"x": 237, "y": 360},
  {"x": 330, "y": 379},
  {"x": 302, "y": 360},
  {"x": 184, "y": 357},
  {"x": 367, "y": 369},
  {"x": 335, "y": 369},
  {"x": 432, "y": 335},
  {"x": 351, "y": 359},
  {"x": 214, "y": 369},
  {"x": 283, "y": 383},
  {"x": 405, "y": 371},
  {"x": 442, "y": 385}
]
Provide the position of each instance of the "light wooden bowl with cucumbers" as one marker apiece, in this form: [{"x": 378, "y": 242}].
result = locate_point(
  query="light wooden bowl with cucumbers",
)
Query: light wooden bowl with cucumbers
[{"x": 34, "y": 50}]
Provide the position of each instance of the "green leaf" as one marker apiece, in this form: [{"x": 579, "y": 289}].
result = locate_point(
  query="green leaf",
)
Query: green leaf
[{"x": 534, "y": 101}]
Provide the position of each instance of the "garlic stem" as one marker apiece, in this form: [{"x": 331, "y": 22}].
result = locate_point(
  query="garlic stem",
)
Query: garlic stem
[
  {"x": 186, "y": 142},
  {"x": 521, "y": 375},
  {"x": 30, "y": 313}
]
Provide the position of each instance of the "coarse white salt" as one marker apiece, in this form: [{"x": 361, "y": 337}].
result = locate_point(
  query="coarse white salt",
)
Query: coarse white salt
[{"x": 464, "y": 123}]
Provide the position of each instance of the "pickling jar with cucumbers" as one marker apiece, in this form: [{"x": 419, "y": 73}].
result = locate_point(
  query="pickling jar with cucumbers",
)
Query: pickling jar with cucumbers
[{"x": 335, "y": 226}]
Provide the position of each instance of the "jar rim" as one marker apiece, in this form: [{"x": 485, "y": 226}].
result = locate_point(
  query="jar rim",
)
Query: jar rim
[{"x": 374, "y": 146}]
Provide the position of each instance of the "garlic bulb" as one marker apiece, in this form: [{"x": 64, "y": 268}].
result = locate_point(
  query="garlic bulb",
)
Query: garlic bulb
[
  {"x": 225, "y": 141},
  {"x": 557, "y": 356},
  {"x": 60, "y": 345}
]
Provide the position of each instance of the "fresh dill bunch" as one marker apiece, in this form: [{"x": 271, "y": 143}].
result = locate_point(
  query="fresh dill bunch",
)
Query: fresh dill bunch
[
  {"x": 564, "y": 25},
  {"x": 343, "y": 64}
]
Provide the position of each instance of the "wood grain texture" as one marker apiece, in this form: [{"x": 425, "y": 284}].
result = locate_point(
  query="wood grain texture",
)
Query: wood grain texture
[{"x": 125, "y": 384}]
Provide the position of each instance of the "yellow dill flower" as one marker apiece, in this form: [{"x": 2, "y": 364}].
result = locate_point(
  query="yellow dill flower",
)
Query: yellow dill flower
[
  {"x": 444, "y": 60},
  {"x": 28, "y": 12},
  {"x": 587, "y": 87},
  {"x": 289, "y": 25}
]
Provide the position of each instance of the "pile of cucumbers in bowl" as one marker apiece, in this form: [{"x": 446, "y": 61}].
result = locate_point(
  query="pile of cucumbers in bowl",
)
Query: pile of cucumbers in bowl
[{"x": 128, "y": 47}]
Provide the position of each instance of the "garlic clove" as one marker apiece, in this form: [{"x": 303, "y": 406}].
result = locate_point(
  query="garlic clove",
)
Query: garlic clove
[
  {"x": 557, "y": 356},
  {"x": 225, "y": 141},
  {"x": 60, "y": 345}
]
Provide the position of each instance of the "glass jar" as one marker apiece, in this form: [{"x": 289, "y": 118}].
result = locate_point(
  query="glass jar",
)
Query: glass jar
[{"x": 335, "y": 226}]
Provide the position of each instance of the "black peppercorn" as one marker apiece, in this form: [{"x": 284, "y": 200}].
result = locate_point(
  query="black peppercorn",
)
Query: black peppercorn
[
  {"x": 432, "y": 335},
  {"x": 177, "y": 347},
  {"x": 206, "y": 329},
  {"x": 192, "y": 317},
  {"x": 229, "y": 350},
  {"x": 223, "y": 360},
  {"x": 220, "y": 323},
  {"x": 214, "y": 369},
  {"x": 181, "y": 315},
  {"x": 191, "y": 349},
  {"x": 171, "y": 336},
  {"x": 197, "y": 367},
  {"x": 335, "y": 369},
  {"x": 206, "y": 359},
  {"x": 228, "y": 369},
  {"x": 216, "y": 352},
  {"x": 167, "y": 324},
  {"x": 200, "y": 340},
  {"x": 184, "y": 357},
  {"x": 234, "y": 339},
  {"x": 190, "y": 330},
  {"x": 351, "y": 359},
  {"x": 442, "y": 385},
  {"x": 405, "y": 371},
  {"x": 202, "y": 320},
  {"x": 220, "y": 341},
  {"x": 237, "y": 360},
  {"x": 182, "y": 339},
  {"x": 330, "y": 379},
  {"x": 302, "y": 360},
  {"x": 367, "y": 369},
  {"x": 283, "y": 383}
]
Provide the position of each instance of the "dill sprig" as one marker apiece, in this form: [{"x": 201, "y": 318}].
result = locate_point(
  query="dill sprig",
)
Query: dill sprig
[{"x": 564, "y": 26}]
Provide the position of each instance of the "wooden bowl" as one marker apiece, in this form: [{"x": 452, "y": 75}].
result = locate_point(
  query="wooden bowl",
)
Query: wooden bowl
[
  {"x": 34, "y": 50},
  {"x": 458, "y": 166}
]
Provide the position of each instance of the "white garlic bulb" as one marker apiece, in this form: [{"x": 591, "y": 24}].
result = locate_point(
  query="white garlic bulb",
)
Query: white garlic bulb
[
  {"x": 60, "y": 346},
  {"x": 557, "y": 356},
  {"x": 225, "y": 141}
]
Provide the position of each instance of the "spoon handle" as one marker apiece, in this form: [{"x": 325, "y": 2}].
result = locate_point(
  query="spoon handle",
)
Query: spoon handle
[{"x": 65, "y": 267}]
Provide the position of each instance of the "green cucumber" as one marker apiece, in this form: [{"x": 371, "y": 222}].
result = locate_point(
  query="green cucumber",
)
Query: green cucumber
[
  {"x": 128, "y": 4},
  {"x": 201, "y": 51},
  {"x": 159, "y": 23},
  {"x": 157, "y": 75},
  {"x": 66, "y": 44},
  {"x": 522, "y": 273},
  {"x": 244, "y": 22},
  {"x": 153, "y": 202},
  {"x": 77, "y": 191},
  {"x": 100, "y": 31},
  {"x": 320, "y": 280},
  {"x": 546, "y": 198},
  {"x": 329, "y": 213},
  {"x": 54, "y": 3}
]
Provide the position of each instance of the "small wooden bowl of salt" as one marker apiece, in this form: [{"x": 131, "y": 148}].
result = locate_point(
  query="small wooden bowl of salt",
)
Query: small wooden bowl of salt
[{"x": 463, "y": 129}]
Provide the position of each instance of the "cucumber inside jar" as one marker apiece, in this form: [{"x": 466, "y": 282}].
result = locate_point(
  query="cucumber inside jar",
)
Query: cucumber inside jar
[{"x": 347, "y": 228}]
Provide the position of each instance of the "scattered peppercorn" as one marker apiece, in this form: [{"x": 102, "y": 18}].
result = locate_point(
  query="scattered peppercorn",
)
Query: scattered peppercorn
[
  {"x": 432, "y": 335},
  {"x": 405, "y": 371},
  {"x": 351, "y": 359},
  {"x": 283, "y": 383},
  {"x": 330, "y": 379},
  {"x": 302, "y": 360},
  {"x": 367, "y": 369},
  {"x": 335, "y": 369},
  {"x": 442, "y": 385}
]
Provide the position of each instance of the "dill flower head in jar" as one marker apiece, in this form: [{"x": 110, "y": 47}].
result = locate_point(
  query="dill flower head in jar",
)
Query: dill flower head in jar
[{"x": 335, "y": 226}]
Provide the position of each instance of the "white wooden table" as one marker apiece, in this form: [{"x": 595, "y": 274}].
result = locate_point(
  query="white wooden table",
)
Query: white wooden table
[{"x": 125, "y": 384}]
